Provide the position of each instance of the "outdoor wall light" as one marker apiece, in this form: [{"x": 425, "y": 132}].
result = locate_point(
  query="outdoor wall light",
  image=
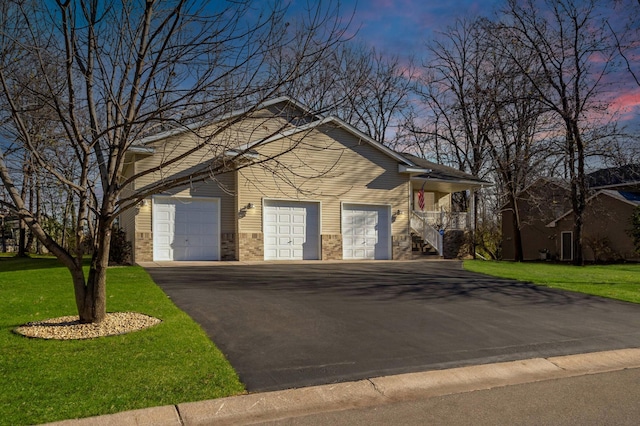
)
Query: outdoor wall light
[
  {"x": 399, "y": 213},
  {"x": 251, "y": 206},
  {"x": 143, "y": 203}
]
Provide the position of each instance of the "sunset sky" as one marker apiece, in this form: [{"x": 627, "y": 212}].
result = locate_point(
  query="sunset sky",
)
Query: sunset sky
[{"x": 402, "y": 27}]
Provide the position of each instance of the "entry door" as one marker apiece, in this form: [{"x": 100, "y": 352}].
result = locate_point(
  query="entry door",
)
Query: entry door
[
  {"x": 567, "y": 245},
  {"x": 366, "y": 231},
  {"x": 291, "y": 230}
]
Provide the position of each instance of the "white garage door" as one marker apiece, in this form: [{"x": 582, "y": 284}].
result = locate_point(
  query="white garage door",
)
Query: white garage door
[
  {"x": 186, "y": 228},
  {"x": 366, "y": 232},
  {"x": 291, "y": 230}
]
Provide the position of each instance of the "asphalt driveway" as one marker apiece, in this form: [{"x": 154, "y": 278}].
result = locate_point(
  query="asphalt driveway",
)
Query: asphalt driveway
[{"x": 302, "y": 324}]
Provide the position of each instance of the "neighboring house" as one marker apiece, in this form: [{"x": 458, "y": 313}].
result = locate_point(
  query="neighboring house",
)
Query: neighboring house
[
  {"x": 9, "y": 231},
  {"x": 547, "y": 218},
  {"x": 333, "y": 193},
  {"x": 607, "y": 220},
  {"x": 537, "y": 205}
]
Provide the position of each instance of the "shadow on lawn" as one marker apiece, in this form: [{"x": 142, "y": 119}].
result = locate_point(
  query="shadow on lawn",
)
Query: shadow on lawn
[{"x": 15, "y": 263}]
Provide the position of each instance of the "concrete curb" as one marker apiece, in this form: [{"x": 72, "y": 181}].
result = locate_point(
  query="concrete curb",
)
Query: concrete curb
[{"x": 371, "y": 392}]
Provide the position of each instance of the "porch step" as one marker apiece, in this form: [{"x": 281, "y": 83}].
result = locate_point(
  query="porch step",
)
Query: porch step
[{"x": 422, "y": 248}]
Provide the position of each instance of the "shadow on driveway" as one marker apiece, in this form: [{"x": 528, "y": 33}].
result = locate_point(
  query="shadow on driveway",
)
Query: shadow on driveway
[{"x": 293, "y": 325}]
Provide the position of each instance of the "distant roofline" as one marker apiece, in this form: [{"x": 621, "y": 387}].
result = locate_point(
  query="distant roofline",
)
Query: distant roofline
[{"x": 607, "y": 192}]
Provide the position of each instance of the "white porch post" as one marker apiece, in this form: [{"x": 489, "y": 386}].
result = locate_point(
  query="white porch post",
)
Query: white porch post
[{"x": 474, "y": 221}]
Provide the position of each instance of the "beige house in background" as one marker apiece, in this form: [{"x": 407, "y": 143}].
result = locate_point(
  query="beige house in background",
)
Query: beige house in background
[
  {"x": 607, "y": 219},
  {"x": 547, "y": 219},
  {"x": 537, "y": 205},
  {"x": 297, "y": 186}
]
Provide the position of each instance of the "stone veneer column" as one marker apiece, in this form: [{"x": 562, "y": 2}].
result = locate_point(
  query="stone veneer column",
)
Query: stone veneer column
[
  {"x": 401, "y": 245},
  {"x": 143, "y": 250},
  {"x": 331, "y": 247},
  {"x": 250, "y": 246},
  {"x": 228, "y": 246}
]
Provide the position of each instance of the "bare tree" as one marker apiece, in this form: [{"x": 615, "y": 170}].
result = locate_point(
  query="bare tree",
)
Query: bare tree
[
  {"x": 626, "y": 34},
  {"x": 383, "y": 96},
  {"x": 451, "y": 90},
  {"x": 461, "y": 115},
  {"x": 573, "y": 49},
  {"x": 129, "y": 70},
  {"x": 519, "y": 122},
  {"x": 363, "y": 87}
]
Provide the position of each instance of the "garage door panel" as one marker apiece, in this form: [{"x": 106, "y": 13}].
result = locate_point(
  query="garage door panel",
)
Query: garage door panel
[
  {"x": 163, "y": 240},
  {"x": 186, "y": 229},
  {"x": 162, "y": 227},
  {"x": 365, "y": 231},
  {"x": 163, "y": 215},
  {"x": 292, "y": 230}
]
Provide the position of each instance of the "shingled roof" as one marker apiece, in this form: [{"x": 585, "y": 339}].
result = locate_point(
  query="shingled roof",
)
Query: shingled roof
[
  {"x": 441, "y": 172},
  {"x": 615, "y": 176}
]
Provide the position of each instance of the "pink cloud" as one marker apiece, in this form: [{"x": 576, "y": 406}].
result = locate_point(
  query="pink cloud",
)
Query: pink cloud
[
  {"x": 628, "y": 100},
  {"x": 627, "y": 104}
]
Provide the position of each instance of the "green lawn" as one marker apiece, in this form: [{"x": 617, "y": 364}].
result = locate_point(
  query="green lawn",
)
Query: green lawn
[
  {"x": 48, "y": 380},
  {"x": 620, "y": 282}
]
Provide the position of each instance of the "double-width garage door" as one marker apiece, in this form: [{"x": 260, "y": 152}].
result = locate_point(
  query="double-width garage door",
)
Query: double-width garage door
[
  {"x": 366, "y": 231},
  {"x": 186, "y": 228},
  {"x": 291, "y": 230}
]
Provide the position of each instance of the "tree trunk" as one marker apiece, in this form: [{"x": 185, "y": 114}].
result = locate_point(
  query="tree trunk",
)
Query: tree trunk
[
  {"x": 2, "y": 237},
  {"x": 91, "y": 298},
  {"x": 580, "y": 195},
  {"x": 517, "y": 233},
  {"x": 22, "y": 241}
]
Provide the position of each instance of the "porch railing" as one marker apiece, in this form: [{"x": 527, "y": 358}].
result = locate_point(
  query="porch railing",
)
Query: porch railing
[
  {"x": 427, "y": 232},
  {"x": 446, "y": 220}
]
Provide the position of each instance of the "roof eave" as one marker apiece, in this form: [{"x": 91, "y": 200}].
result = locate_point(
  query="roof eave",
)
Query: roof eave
[
  {"x": 403, "y": 168},
  {"x": 474, "y": 183},
  {"x": 135, "y": 149},
  {"x": 617, "y": 185}
]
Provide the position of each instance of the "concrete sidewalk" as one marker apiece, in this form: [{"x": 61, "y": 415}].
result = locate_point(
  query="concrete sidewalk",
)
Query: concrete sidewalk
[{"x": 261, "y": 407}]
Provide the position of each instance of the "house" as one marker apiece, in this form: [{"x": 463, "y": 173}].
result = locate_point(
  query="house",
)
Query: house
[
  {"x": 547, "y": 218},
  {"x": 607, "y": 220},
  {"x": 536, "y": 205},
  {"x": 9, "y": 231},
  {"x": 289, "y": 185}
]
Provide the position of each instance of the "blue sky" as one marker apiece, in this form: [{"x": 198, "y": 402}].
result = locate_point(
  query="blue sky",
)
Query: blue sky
[{"x": 404, "y": 26}]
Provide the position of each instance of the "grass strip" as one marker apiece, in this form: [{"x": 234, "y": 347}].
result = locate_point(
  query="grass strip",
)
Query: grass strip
[
  {"x": 621, "y": 282},
  {"x": 50, "y": 380}
]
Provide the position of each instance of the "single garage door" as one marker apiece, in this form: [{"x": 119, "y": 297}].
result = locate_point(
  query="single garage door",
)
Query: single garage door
[
  {"x": 291, "y": 230},
  {"x": 186, "y": 228},
  {"x": 366, "y": 231}
]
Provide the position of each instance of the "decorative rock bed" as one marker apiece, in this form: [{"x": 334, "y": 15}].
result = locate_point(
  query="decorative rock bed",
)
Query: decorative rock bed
[{"x": 70, "y": 328}]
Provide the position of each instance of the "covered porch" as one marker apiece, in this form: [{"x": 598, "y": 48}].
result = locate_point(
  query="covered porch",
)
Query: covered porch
[{"x": 436, "y": 221}]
